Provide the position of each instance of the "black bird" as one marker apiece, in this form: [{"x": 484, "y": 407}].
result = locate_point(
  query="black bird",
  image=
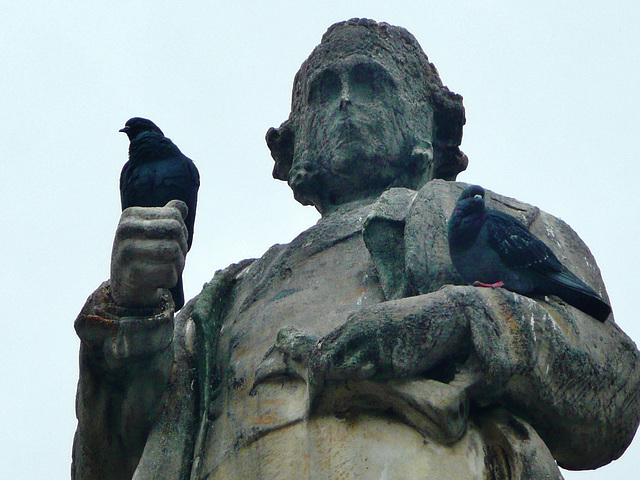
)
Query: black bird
[
  {"x": 156, "y": 173},
  {"x": 492, "y": 249}
]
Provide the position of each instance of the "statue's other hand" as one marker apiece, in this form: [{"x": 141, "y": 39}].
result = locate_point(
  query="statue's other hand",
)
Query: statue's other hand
[
  {"x": 148, "y": 253},
  {"x": 349, "y": 353},
  {"x": 395, "y": 339},
  {"x": 289, "y": 355},
  {"x": 353, "y": 351}
]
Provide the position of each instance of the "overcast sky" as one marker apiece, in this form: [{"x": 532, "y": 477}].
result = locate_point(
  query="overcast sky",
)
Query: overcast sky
[{"x": 552, "y": 100}]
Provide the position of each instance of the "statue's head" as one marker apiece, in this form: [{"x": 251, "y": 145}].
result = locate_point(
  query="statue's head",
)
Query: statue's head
[{"x": 368, "y": 112}]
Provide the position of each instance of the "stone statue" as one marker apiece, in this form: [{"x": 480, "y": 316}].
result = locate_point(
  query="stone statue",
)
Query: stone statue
[{"x": 355, "y": 351}]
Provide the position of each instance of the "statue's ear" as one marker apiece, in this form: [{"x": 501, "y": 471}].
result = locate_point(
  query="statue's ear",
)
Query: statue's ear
[
  {"x": 280, "y": 142},
  {"x": 421, "y": 164}
]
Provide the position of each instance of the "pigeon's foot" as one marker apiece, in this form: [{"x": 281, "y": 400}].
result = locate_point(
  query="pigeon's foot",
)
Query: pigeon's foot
[{"x": 488, "y": 285}]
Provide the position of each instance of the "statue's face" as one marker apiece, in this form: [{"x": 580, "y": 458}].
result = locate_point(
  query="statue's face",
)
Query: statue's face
[{"x": 352, "y": 133}]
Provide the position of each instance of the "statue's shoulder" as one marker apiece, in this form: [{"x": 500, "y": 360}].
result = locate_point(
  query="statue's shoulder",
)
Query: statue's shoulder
[
  {"x": 428, "y": 264},
  {"x": 208, "y": 307},
  {"x": 405, "y": 232}
]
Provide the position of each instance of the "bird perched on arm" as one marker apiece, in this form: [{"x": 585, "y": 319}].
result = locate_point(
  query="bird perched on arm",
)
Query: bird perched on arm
[
  {"x": 490, "y": 248},
  {"x": 156, "y": 173}
]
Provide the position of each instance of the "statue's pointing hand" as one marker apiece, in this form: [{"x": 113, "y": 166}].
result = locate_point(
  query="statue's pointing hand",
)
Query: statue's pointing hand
[
  {"x": 289, "y": 356},
  {"x": 352, "y": 352}
]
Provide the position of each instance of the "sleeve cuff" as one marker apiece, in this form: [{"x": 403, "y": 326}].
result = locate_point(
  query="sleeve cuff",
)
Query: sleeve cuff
[{"x": 124, "y": 334}]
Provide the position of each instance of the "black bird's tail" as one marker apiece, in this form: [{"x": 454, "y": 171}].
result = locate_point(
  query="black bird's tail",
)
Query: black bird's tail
[
  {"x": 578, "y": 294},
  {"x": 177, "y": 293}
]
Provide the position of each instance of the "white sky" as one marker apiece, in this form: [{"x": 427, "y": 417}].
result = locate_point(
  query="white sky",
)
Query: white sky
[{"x": 552, "y": 99}]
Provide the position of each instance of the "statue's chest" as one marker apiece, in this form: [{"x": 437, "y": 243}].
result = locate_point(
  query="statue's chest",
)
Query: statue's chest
[{"x": 314, "y": 294}]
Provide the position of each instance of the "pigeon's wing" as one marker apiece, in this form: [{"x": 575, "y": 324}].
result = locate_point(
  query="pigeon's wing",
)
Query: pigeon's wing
[
  {"x": 519, "y": 249},
  {"x": 193, "y": 172},
  {"x": 516, "y": 246},
  {"x": 123, "y": 182},
  {"x": 188, "y": 182},
  {"x": 128, "y": 179}
]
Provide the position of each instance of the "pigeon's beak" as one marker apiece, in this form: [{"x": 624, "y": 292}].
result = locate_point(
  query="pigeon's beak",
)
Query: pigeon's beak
[
  {"x": 124, "y": 130},
  {"x": 477, "y": 196}
]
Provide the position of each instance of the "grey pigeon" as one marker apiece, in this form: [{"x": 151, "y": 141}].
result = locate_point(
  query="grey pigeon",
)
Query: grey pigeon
[
  {"x": 493, "y": 249},
  {"x": 156, "y": 173}
]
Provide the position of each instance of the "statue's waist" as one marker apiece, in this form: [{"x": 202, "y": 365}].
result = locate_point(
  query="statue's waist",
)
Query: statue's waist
[{"x": 361, "y": 447}]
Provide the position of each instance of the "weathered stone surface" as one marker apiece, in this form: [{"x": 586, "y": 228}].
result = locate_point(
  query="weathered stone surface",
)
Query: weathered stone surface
[{"x": 354, "y": 352}]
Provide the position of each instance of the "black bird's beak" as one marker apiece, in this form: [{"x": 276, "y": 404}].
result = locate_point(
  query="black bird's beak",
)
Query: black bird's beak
[{"x": 124, "y": 130}]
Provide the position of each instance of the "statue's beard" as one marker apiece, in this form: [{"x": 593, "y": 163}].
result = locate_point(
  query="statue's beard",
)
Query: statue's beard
[{"x": 350, "y": 160}]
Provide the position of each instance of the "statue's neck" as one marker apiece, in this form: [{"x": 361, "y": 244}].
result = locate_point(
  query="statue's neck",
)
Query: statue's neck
[{"x": 348, "y": 207}]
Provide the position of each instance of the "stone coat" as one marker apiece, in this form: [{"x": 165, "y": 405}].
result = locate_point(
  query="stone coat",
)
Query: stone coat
[{"x": 479, "y": 383}]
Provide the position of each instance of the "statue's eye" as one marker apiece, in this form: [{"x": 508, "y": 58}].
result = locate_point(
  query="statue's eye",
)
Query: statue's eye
[
  {"x": 324, "y": 87},
  {"x": 368, "y": 81}
]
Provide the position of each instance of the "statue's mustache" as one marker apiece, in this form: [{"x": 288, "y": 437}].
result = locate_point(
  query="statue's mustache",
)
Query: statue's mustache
[{"x": 347, "y": 130}]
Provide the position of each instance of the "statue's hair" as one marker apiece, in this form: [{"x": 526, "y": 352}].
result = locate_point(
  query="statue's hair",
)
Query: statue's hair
[{"x": 382, "y": 42}]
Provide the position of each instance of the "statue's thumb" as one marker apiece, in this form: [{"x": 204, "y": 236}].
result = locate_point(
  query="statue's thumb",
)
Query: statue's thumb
[{"x": 180, "y": 206}]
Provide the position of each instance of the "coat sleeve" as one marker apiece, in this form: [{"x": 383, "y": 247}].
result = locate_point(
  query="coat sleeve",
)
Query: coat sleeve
[{"x": 126, "y": 358}]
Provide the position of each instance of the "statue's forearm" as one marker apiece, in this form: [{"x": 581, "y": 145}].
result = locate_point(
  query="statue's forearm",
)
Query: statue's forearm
[
  {"x": 580, "y": 384},
  {"x": 572, "y": 377},
  {"x": 125, "y": 363},
  {"x": 403, "y": 337}
]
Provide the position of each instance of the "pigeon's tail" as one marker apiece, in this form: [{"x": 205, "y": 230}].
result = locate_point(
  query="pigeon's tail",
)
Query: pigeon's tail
[
  {"x": 177, "y": 293},
  {"x": 578, "y": 294}
]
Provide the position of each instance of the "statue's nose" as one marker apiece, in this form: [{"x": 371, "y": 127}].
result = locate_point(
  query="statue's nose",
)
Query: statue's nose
[{"x": 345, "y": 97}]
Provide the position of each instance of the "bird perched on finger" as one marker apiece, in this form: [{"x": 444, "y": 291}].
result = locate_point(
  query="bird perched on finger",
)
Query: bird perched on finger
[
  {"x": 156, "y": 173},
  {"x": 490, "y": 248}
]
